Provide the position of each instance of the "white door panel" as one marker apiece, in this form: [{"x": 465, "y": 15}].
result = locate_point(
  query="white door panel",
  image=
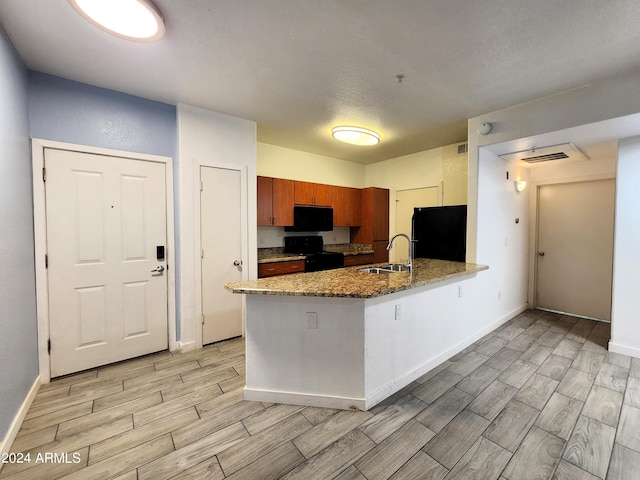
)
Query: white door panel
[
  {"x": 575, "y": 248},
  {"x": 105, "y": 217},
  {"x": 220, "y": 230}
]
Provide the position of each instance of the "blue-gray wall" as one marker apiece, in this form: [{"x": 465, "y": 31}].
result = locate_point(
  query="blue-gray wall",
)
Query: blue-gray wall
[
  {"x": 72, "y": 112},
  {"x": 18, "y": 328}
]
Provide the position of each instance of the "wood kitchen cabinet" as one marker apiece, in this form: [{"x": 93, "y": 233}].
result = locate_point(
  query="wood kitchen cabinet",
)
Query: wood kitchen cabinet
[
  {"x": 280, "y": 268},
  {"x": 275, "y": 202},
  {"x": 374, "y": 227},
  {"x": 347, "y": 209},
  {"x": 352, "y": 260},
  {"x": 307, "y": 193}
]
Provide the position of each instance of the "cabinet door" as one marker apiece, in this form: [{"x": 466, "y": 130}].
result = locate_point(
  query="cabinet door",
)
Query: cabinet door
[
  {"x": 304, "y": 193},
  {"x": 283, "y": 193},
  {"x": 354, "y": 200},
  {"x": 380, "y": 252},
  {"x": 265, "y": 201},
  {"x": 380, "y": 214},
  {"x": 307, "y": 193},
  {"x": 322, "y": 195},
  {"x": 340, "y": 204},
  {"x": 269, "y": 269}
]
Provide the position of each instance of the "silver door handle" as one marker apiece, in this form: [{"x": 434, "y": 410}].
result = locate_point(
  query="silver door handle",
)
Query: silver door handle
[
  {"x": 159, "y": 269},
  {"x": 237, "y": 263},
  {"x": 541, "y": 254}
]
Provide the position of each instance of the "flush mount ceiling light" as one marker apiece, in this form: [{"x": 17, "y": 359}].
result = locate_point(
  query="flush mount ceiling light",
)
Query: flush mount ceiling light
[
  {"x": 138, "y": 20},
  {"x": 355, "y": 135}
]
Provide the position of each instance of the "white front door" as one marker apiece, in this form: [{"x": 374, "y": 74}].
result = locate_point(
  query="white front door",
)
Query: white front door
[
  {"x": 575, "y": 248},
  {"x": 220, "y": 231},
  {"x": 106, "y": 231}
]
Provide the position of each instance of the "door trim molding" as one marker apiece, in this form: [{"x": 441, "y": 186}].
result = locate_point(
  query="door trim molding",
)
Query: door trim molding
[
  {"x": 40, "y": 239},
  {"x": 197, "y": 243},
  {"x": 534, "y": 201}
]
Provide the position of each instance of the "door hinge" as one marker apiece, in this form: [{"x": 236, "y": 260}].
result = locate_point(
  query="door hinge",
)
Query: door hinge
[
  {"x": 202, "y": 253},
  {"x": 46, "y": 260},
  {"x": 49, "y": 346},
  {"x": 44, "y": 174},
  {"x": 201, "y": 186},
  {"x": 203, "y": 318}
]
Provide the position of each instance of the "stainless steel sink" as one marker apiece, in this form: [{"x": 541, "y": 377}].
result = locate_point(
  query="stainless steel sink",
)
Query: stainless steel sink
[
  {"x": 391, "y": 268},
  {"x": 396, "y": 267}
]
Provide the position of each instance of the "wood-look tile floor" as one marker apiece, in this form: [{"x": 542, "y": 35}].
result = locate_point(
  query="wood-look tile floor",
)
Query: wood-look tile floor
[{"x": 539, "y": 398}]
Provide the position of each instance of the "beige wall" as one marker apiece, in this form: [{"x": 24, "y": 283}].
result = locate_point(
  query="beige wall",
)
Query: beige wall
[
  {"x": 440, "y": 167},
  {"x": 280, "y": 162}
]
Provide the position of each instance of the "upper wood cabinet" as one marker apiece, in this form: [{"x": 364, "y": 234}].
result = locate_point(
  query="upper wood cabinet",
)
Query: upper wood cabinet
[
  {"x": 275, "y": 202},
  {"x": 346, "y": 203},
  {"x": 307, "y": 193},
  {"x": 374, "y": 227}
]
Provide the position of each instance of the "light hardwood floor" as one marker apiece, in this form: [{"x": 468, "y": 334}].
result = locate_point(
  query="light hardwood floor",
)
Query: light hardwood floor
[{"x": 539, "y": 398}]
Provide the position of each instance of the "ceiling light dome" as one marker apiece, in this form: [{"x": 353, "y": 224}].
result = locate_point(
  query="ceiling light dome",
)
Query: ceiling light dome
[
  {"x": 355, "y": 135},
  {"x": 131, "y": 19}
]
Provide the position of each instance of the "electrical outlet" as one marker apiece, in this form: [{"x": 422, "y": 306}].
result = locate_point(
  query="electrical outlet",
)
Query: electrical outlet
[
  {"x": 398, "y": 314},
  {"x": 312, "y": 320}
]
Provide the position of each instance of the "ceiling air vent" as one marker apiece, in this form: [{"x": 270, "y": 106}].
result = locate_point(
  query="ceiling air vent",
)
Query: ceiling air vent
[
  {"x": 567, "y": 152},
  {"x": 463, "y": 148},
  {"x": 545, "y": 158}
]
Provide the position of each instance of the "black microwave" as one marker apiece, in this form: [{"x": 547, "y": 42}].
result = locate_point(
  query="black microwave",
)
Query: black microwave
[{"x": 311, "y": 219}]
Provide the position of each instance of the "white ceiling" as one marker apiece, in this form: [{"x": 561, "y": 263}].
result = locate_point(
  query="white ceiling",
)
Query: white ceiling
[{"x": 299, "y": 67}]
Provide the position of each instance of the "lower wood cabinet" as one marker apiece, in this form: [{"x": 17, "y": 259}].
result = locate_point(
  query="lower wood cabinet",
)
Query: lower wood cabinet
[
  {"x": 351, "y": 260},
  {"x": 280, "y": 268}
]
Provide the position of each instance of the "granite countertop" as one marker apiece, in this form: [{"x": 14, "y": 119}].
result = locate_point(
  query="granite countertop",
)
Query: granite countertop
[
  {"x": 351, "y": 283},
  {"x": 276, "y": 254}
]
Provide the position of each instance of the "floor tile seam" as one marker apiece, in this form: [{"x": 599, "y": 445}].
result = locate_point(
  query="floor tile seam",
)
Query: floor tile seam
[
  {"x": 558, "y": 460},
  {"x": 619, "y": 414},
  {"x": 574, "y": 427}
]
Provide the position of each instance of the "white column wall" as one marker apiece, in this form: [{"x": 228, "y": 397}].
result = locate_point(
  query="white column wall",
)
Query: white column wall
[
  {"x": 209, "y": 137},
  {"x": 625, "y": 325}
]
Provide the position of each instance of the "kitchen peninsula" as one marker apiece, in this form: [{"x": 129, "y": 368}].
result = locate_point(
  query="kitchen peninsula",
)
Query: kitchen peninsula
[{"x": 348, "y": 339}]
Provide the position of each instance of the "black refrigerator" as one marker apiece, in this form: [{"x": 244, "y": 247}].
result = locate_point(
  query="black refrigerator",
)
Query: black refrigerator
[{"x": 441, "y": 232}]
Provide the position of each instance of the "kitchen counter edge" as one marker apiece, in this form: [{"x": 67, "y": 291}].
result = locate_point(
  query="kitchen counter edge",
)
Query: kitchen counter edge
[{"x": 350, "y": 282}]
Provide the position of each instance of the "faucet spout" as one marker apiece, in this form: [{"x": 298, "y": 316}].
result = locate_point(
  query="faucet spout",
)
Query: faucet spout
[{"x": 390, "y": 245}]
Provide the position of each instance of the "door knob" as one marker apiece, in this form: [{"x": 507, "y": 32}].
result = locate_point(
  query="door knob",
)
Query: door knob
[
  {"x": 237, "y": 263},
  {"x": 541, "y": 254},
  {"x": 159, "y": 269}
]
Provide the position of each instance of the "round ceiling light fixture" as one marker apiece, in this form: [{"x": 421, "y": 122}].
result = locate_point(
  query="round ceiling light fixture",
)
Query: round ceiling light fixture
[
  {"x": 138, "y": 20},
  {"x": 355, "y": 135}
]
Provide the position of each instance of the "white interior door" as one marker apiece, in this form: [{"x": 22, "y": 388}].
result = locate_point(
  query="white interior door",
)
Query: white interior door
[
  {"x": 220, "y": 231},
  {"x": 575, "y": 248},
  {"x": 106, "y": 216},
  {"x": 406, "y": 201}
]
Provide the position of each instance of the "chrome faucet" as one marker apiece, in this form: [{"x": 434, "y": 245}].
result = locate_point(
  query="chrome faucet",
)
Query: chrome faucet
[{"x": 410, "y": 246}]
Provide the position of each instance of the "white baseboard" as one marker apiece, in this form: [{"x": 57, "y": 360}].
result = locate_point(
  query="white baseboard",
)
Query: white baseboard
[
  {"x": 294, "y": 398},
  {"x": 8, "y": 439},
  {"x": 624, "y": 349},
  {"x": 184, "y": 347}
]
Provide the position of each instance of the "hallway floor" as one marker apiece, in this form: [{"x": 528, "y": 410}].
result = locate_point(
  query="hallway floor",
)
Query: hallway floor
[{"x": 538, "y": 398}]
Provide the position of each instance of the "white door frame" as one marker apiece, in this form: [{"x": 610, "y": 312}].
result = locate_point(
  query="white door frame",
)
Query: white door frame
[
  {"x": 534, "y": 204},
  {"x": 40, "y": 239},
  {"x": 197, "y": 243}
]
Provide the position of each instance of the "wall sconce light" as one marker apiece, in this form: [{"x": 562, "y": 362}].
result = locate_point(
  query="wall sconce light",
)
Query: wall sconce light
[{"x": 520, "y": 185}]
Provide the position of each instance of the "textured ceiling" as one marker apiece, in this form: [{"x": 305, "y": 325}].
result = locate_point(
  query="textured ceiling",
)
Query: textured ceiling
[{"x": 299, "y": 67}]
